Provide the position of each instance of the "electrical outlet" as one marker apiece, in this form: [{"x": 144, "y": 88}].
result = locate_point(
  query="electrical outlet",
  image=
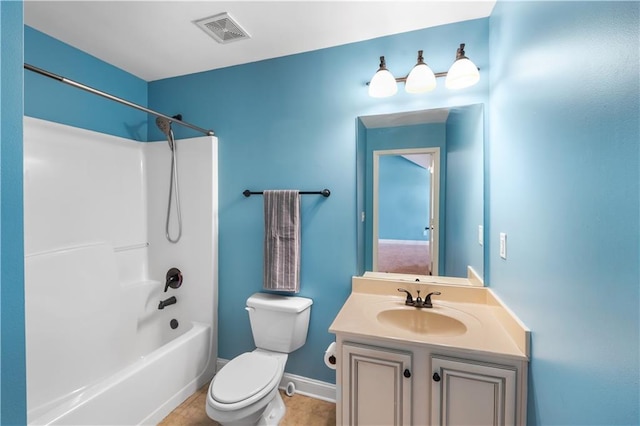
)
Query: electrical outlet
[
  {"x": 503, "y": 245},
  {"x": 480, "y": 235}
]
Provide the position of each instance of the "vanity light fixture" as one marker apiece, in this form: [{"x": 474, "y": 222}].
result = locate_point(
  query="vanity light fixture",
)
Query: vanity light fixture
[
  {"x": 463, "y": 73},
  {"x": 421, "y": 79},
  {"x": 383, "y": 84}
]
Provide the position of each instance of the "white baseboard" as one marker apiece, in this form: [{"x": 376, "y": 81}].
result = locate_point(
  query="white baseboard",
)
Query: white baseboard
[
  {"x": 303, "y": 385},
  {"x": 405, "y": 242}
]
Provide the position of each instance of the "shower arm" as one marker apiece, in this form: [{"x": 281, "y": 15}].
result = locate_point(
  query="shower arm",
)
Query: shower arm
[{"x": 115, "y": 98}]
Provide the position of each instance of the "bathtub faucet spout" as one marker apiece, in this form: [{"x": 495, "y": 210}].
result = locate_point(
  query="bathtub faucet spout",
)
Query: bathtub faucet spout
[{"x": 167, "y": 302}]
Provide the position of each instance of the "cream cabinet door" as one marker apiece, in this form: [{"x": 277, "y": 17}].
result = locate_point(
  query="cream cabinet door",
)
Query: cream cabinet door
[
  {"x": 376, "y": 386},
  {"x": 472, "y": 393}
]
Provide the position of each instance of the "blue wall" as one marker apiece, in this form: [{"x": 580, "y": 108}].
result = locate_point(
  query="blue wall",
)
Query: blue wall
[
  {"x": 564, "y": 186},
  {"x": 431, "y": 135},
  {"x": 12, "y": 342},
  {"x": 403, "y": 199},
  {"x": 51, "y": 100},
  {"x": 465, "y": 191},
  {"x": 290, "y": 122}
]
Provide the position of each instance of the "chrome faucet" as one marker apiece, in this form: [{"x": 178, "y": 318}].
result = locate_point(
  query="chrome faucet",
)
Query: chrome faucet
[{"x": 418, "y": 302}]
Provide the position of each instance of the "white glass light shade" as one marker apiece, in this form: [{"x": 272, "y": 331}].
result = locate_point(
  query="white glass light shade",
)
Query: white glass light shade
[
  {"x": 383, "y": 84},
  {"x": 463, "y": 73},
  {"x": 421, "y": 79}
]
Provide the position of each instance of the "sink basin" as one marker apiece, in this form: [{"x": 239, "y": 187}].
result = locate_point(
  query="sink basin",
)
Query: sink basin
[{"x": 422, "y": 321}]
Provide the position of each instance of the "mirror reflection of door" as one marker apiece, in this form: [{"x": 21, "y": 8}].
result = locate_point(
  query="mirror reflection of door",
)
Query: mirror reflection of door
[
  {"x": 406, "y": 212},
  {"x": 459, "y": 133}
]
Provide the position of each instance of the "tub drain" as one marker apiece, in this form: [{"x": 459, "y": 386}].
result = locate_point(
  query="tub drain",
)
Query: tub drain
[{"x": 174, "y": 323}]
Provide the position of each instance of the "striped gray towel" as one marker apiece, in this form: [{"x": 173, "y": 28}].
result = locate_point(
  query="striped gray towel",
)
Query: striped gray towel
[{"x": 282, "y": 240}]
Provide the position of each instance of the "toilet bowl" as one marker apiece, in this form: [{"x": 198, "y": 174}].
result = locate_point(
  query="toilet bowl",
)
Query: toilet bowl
[{"x": 245, "y": 390}]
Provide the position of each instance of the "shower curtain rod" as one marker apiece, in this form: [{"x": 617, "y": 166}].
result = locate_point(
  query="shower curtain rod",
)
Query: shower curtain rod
[{"x": 115, "y": 98}]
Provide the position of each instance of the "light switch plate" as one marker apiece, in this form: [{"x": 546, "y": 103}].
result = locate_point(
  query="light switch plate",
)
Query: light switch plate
[
  {"x": 503, "y": 245},
  {"x": 480, "y": 234}
]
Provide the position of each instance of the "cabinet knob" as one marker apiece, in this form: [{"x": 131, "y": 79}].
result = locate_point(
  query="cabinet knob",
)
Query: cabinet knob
[
  {"x": 407, "y": 373},
  {"x": 436, "y": 377}
]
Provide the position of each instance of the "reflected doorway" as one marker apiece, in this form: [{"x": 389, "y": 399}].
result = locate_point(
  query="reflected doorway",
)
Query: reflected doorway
[{"x": 406, "y": 211}]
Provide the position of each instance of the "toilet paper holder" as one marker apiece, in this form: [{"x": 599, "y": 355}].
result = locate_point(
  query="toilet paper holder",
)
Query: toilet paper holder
[{"x": 330, "y": 359}]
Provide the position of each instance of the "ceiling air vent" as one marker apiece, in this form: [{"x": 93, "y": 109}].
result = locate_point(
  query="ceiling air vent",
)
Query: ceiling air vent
[{"x": 222, "y": 28}]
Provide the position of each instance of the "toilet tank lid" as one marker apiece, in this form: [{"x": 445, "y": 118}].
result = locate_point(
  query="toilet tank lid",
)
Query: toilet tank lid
[{"x": 276, "y": 302}]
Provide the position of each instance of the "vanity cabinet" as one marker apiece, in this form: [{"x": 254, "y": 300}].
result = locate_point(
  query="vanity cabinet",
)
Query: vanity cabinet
[
  {"x": 416, "y": 385},
  {"x": 376, "y": 385},
  {"x": 462, "y": 362},
  {"x": 467, "y": 392}
]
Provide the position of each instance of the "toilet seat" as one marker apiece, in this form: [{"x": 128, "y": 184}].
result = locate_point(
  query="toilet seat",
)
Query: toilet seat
[{"x": 244, "y": 380}]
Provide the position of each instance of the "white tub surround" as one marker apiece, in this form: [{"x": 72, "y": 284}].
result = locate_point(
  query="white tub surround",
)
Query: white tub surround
[{"x": 95, "y": 267}]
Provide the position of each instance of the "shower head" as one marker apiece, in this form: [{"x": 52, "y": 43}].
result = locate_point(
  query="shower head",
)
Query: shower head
[{"x": 165, "y": 126}]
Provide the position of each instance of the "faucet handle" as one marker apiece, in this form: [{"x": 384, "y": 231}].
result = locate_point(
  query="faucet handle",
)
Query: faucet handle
[
  {"x": 409, "y": 300},
  {"x": 427, "y": 299},
  {"x": 419, "y": 300},
  {"x": 174, "y": 279}
]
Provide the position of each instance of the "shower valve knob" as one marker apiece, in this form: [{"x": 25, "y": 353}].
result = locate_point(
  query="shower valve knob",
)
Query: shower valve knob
[{"x": 174, "y": 279}]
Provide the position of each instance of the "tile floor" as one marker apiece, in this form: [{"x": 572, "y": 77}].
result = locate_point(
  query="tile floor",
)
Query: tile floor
[{"x": 301, "y": 411}]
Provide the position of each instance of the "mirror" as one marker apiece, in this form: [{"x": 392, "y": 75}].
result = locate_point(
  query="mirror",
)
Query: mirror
[{"x": 420, "y": 192}]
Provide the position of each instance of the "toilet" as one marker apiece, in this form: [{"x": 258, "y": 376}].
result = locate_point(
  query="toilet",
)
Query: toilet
[{"x": 245, "y": 390}]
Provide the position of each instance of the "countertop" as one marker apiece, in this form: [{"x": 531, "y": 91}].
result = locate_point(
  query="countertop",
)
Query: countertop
[{"x": 491, "y": 328}]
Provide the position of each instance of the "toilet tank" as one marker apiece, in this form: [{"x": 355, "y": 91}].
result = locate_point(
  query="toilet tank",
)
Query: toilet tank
[{"x": 279, "y": 323}]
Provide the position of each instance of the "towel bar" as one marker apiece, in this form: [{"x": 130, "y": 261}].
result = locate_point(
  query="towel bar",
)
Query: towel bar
[{"x": 325, "y": 192}]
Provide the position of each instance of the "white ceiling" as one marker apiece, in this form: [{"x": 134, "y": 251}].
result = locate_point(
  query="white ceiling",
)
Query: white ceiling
[
  {"x": 408, "y": 118},
  {"x": 157, "y": 39},
  {"x": 422, "y": 160}
]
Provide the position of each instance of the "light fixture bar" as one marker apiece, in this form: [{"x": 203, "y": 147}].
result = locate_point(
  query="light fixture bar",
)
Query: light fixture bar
[
  {"x": 404, "y": 79},
  {"x": 437, "y": 74}
]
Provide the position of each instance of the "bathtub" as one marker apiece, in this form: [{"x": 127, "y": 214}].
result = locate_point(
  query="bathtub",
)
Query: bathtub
[
  {"x": 101, "y": 352},
  {"x": 131, "y": 395}
]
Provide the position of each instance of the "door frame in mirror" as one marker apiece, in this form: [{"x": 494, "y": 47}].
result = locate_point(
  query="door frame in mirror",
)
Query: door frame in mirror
[{"x": 434, "y": 236}]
